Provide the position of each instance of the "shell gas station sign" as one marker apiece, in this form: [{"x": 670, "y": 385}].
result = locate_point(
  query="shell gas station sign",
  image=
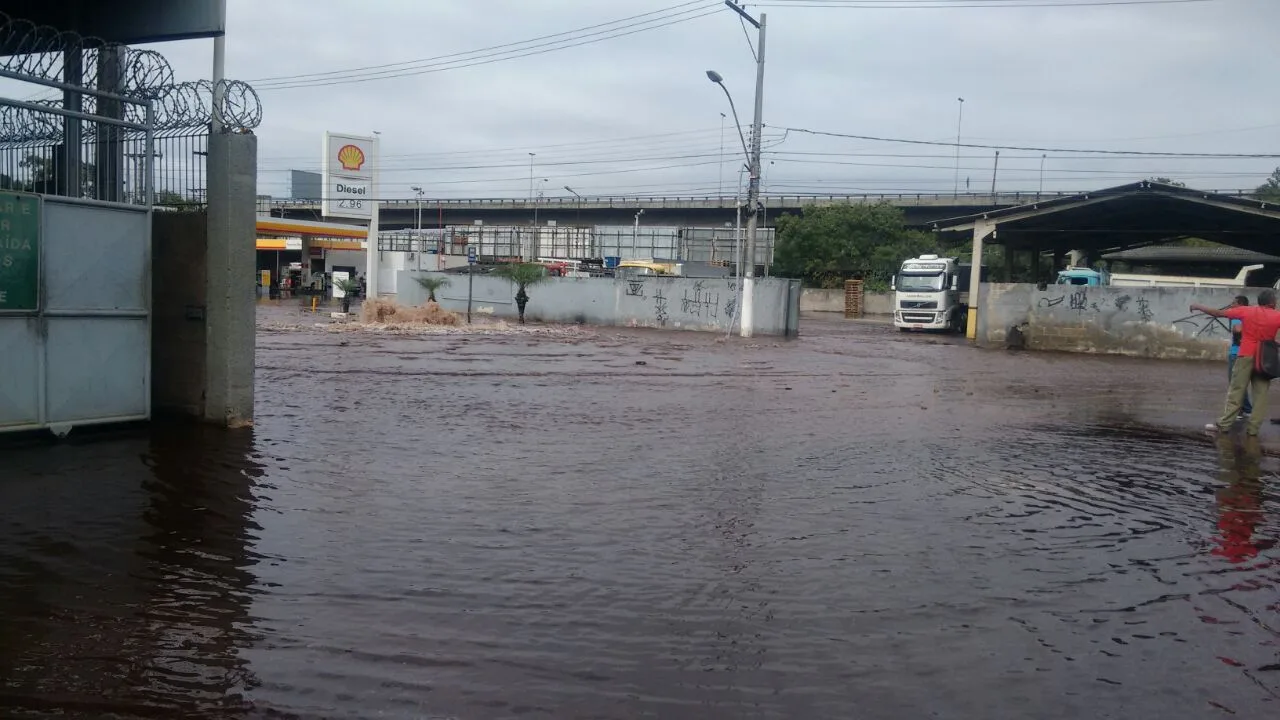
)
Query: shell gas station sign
[{"x": 347, "y": 186}]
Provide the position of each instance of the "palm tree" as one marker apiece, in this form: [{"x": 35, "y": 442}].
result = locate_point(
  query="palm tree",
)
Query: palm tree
[
  {"x": 350, "y": 288},
  {"x": 432, "y": 283},
  {"x": 524, "y": 275}
]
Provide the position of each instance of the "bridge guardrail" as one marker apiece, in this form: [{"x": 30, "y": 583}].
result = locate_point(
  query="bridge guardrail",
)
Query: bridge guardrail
[{"x": 677, "y": 202}]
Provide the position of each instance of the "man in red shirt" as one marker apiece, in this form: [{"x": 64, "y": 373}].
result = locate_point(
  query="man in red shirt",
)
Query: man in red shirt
[{"x": 1258, "y": 323}]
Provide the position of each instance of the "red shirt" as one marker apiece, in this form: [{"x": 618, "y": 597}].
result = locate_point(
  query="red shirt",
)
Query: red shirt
[{"x": 1259, "y": 323}]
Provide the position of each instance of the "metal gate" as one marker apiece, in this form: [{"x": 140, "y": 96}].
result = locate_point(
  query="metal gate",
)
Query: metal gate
[{"x": 75, "y": 260}]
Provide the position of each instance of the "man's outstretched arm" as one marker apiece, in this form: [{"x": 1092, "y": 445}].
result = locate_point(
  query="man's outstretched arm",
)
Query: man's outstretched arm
[{"x": 1209, "y": 311}]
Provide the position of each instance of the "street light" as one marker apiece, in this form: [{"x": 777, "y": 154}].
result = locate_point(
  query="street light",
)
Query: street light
[
  {"x": 418, "y": 232},
  {"x": 577, "y": 213},
  {"x": 959, "y": 119},
  {"x": 716, "y": 78},
  {"x": 635, "y": 232},
  {"x": 753, "y": 165}
]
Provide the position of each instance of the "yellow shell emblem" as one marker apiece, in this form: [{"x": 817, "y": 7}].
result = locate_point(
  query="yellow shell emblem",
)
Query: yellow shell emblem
[{"x": 351, "y": 157}]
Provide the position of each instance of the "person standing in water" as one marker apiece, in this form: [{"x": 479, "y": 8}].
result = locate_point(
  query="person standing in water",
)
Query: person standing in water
[
  {"x": 1256, "y": 324},
  {"x": 1234, "y": 352}
]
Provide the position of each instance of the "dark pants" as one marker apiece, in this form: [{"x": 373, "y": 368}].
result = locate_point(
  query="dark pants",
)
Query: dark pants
[{"x": 1247, "y": 406}]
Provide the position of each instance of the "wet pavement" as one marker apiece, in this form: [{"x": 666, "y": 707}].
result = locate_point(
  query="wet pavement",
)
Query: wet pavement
[{"x": 634, "y": 524}]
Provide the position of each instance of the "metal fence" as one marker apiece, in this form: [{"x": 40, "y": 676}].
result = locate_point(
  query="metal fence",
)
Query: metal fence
[
  {"x": 692, "y": 244},
  {"x": 83, "y": 133}
]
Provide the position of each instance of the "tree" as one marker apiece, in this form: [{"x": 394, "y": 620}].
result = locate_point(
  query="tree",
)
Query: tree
[
  {"x": 169, "y": 198},
  {"x": 1270, "y": 190},
  {"x": 432, "y": 283},
  {"x": 349, "y": 290},
  {"x": 524, "y": 275},
  {"x": 824, "y": 246}
]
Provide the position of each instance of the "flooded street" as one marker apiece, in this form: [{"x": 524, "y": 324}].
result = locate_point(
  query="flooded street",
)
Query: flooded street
[{"x": 633, "y": 524}]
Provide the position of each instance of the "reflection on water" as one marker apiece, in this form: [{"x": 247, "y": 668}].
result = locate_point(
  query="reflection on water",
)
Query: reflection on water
[
  {"x": 1240, "y": 500},
  {"x": 851, "y": 525},
  {"x": 125, "y": 576}
]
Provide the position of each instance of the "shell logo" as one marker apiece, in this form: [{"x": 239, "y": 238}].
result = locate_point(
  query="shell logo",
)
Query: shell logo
[{"x": 350, "y": 157}]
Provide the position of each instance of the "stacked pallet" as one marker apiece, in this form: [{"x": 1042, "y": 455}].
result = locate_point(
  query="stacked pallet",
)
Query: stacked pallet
[{"x": 853, "y": 298}]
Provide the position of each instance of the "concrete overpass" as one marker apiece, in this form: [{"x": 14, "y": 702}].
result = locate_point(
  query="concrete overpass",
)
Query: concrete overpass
[{"x": 920, "y": 208}]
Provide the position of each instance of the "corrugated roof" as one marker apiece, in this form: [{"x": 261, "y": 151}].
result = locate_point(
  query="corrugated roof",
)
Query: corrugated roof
[{"x": 1178, "y": 254}]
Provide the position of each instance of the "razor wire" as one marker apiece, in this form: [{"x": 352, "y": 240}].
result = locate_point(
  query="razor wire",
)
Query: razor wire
[{"x": 41, "y": 52}]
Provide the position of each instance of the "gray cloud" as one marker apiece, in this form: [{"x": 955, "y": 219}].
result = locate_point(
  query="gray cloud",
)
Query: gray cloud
[{"x": 1163, "y": 77}]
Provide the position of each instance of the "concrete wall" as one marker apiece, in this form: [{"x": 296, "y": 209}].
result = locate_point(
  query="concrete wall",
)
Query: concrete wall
[
  {"x": 657, "y": 302},
  {"x": 1147, "y": 322},
  {"x": 816, "y": 300}
]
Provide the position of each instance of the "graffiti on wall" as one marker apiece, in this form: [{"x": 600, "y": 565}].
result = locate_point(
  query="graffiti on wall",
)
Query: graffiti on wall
[
  {"x": 635, "y": 287},
  {"x": 700, "y": 302},
  {"x": 1203, "y": 325},
  {"x": 1079, "y": 302},
  {"x": 660, "y": 308}
]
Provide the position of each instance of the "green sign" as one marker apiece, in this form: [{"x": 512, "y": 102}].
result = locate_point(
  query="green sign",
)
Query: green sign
[{"x": 19, "y": 251}]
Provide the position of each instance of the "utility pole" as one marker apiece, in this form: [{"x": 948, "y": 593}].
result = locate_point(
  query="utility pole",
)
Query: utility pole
[
  {"x": 1041, "y": 191},
  {"x": 753, "y": 188}
]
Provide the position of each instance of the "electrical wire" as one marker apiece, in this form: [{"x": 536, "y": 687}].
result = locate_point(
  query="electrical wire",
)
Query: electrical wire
[
  {"x": 1132, "y": 153},
  {"x": 486, "y": 57},
  {"x": 942, "y": 5}
]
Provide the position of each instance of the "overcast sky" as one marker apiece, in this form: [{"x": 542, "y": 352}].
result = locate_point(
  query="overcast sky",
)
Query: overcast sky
[{"x": 637, "y": 115}]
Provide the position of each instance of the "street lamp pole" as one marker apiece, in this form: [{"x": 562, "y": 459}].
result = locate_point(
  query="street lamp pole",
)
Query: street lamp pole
[
  {"x": 720, "y": 191},
  {"x": 635, "y": 233},
  {"x": 959, "y": 120},
  {"x": 418, "y": 232},
  {"x": 753, "y": 167},
  {"x": 533, "y": 201},
  {"x": 577, "y": 210}
]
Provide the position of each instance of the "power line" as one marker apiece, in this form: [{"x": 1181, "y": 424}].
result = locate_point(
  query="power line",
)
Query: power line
[
  {"x": 437, "y": 58},
  {"x": 482, "y": 57},
  {"x": 1133, "y": 153},
  {"x": 942, "y": 5}
]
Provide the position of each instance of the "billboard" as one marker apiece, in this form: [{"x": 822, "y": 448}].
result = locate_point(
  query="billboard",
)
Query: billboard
[{"x": 347, "y": 187}]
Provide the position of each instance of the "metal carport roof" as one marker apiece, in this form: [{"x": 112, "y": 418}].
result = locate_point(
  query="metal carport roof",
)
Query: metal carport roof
[{"x": 1137, "y": 214}]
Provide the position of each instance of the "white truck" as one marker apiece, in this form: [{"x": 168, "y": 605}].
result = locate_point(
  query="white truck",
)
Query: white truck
[{"x": 931, "y": 293}]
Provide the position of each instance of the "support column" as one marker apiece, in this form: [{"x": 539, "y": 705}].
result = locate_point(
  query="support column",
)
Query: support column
[
  {"x": 1009, "y": 256},
  {"x": 981, "y": 230},
  {"x": 231, "y": 256},
  {"x": 109, "y": 183},
  {"x": 1036, "y": 274},
  {"x": 1057, "y": 262},
  {"x": 306, "y": 261}
]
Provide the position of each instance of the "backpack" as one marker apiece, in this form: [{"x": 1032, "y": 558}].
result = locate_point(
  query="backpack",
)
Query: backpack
[{"x": 1266, "y": 362}]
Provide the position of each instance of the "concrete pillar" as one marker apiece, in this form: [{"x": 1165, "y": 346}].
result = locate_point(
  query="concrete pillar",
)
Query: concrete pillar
[
  {"x": 1036, "y": 274},
  {"x": 229, "y": 326},
  {"x": 1057, "y": 262},
  {"x": 1009, "y": 255},
  {"x": 306, "y": 261},
  {"x": 110, "y": 138},
  {"x": 981, "y": 230}
]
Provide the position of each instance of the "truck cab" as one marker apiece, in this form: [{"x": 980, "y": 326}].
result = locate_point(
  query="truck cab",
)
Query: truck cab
[
  {"x": 930, "y": 293},
  {"x": 1083, "y": 276}
]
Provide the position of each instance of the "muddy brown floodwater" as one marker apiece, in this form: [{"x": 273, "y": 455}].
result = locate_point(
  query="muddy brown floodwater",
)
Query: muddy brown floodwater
[{"x": 633, "y": 524}]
